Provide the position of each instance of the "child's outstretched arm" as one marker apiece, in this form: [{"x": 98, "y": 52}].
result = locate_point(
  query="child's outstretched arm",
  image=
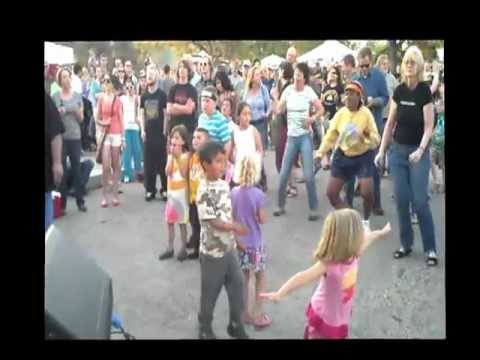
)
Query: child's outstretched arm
[
  {"x": 296, "y": 281},
  {"x": 372, "y": 236}
]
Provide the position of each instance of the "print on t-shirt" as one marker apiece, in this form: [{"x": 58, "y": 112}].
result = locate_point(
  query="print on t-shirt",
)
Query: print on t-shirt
[
  {"x": 181, "y": 97},
  {"x": 151, "y": 109}
]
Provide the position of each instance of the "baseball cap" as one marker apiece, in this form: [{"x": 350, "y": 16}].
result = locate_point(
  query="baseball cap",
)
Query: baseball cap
[
  {"x": 210, "y": 92},
  {"x": 355, "y": 86}
]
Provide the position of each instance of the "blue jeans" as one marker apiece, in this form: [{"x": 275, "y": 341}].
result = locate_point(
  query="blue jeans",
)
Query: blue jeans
[
  {"x": 48, "y": 210},
  {"x": 72, "y": 149},
  {"x": 133, "y": 150},
  {"x": 410, "y": 182},
  {"x": 304, "y": 145},
  {"x": 261, "y": 126}
]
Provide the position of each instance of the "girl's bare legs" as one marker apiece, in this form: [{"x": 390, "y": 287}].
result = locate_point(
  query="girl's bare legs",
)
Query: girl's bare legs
[
  {"x": 183, "y": 235},
  {"x": 247, "y": 316},
  {"x": 116, "y": 171},
  {"x": 260, "y": 285},
  {"x": 366, "y": 191},
  {"x": 171, "y": 236},
  {"x": 106, "y": 171}
]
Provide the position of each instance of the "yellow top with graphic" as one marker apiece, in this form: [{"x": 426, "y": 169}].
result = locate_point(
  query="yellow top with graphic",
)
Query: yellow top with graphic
[
  {"x": 196, "y": 174},
  {"x": 356, "y": 131}
]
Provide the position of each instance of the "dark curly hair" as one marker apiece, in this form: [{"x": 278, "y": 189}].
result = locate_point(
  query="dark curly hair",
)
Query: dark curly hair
[{"x": 303, "y": 67}]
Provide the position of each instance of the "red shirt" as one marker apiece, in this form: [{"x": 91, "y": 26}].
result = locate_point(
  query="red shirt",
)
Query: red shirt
[{"x": 105, "y": 107}]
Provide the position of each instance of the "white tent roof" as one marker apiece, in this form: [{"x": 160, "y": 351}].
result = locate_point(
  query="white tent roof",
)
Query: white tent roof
[
  {"x": 329, "y": 52},
  {"x": 58, "y": 54},
  {"x": 272, "y": 60}
]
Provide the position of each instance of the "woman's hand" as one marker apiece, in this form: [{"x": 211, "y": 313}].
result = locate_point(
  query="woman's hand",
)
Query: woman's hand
[
  {"x": 308, "y": 122},
  {"x": 379, "y": 160},
  {"x": 325, "y": 162},
  {"x": 239, "y": 229},
  {"x": 62, "y": 110},
  {"x": 416, "y": 156}
]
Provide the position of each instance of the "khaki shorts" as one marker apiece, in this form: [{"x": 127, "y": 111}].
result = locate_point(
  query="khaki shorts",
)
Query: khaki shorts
[{"x": 113, "y": 140}]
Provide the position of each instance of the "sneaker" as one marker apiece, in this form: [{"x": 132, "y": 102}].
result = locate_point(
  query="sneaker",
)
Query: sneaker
[
  {"x": 432, "y": 259},
  {"x": 237, "y": 332},
  {"x": 168, "y": 254},
  {"x": 366, "y": 225},
  {"x": 279, "y": 212},
  {"x": 163, "y": 196},
  {"x": 183, "y": 255},
  {"x": 206, "y": 333},
  {"x": 313, "y": 216},
  {"x": 193, "y": 256},
  {"x": 149, "y": 196}
]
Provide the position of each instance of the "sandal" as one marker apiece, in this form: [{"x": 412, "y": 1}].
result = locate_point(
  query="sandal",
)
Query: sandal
[
  {"x": 262, "y": 321},
  {"x": 400, "y": 253},
  {"x": 115, "y": 202},
  {"x": 104, "y": 203}
]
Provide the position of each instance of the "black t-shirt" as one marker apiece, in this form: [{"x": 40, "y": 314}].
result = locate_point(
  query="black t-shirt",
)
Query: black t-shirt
[
  {"x": 53, "y": 127},
  {"x": 153, "y": 105},
  {"x": 179, "y": 94},
  {"x": 410, "y": 103},
  {"x": 332, "y": 98}
]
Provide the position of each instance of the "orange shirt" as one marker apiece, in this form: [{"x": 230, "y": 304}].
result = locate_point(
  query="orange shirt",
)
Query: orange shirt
[{"x": 105, "y": 107}]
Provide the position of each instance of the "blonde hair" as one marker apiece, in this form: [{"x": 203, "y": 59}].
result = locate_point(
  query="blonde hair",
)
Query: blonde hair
[
  {"x": 415, "y": 54},
  {"x": 248, "y": 81},
  {"x": 247, "y": 172},
  {"x": 382, "y": 58},
  {"x": 342, "y": 236}
]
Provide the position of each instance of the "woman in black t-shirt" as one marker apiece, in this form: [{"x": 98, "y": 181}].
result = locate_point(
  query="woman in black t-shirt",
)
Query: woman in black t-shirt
[
  {"x": 331, "y": 94},
  {"x": 411, "y": 114}
]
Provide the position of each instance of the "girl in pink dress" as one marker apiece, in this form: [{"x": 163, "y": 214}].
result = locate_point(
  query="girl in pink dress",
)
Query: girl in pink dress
[{"x": 342, "y": 242}]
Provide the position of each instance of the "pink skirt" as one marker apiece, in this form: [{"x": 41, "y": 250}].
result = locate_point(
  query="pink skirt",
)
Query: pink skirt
[{"x": 317, "y": 328}]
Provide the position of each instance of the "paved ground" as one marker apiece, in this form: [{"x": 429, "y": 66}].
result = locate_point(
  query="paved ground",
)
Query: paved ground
[{"x": 160, "y": 300}]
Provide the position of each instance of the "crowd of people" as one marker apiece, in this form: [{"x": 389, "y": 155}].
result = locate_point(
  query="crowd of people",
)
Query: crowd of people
[{"x": 205, "y": 131}]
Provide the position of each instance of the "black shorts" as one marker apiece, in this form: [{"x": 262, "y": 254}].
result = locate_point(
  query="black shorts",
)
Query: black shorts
[{"x": 346, "y": 167}]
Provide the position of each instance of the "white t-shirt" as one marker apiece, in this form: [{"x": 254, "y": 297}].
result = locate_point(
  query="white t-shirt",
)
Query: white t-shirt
[
  {"x": 298, "y": 107},
  {"x": 129, "y": 113}
]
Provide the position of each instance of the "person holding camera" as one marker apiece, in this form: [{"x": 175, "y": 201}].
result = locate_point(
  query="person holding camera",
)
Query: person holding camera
[{"x": 411, "y": 114}]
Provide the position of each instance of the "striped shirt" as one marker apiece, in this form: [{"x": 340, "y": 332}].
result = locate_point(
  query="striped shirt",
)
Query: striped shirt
[{"x": 216, "y": 125}]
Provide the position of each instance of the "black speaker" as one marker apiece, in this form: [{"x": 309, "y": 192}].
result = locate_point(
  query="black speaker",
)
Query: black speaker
[{"x": 78, "y": 293}]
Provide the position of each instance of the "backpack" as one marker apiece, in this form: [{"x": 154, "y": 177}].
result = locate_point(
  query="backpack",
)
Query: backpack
[{"x": 438, "y": 139}]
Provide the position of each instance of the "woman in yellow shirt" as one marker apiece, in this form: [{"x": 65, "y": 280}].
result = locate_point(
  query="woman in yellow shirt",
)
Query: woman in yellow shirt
[{"x": 352, "y": 135}]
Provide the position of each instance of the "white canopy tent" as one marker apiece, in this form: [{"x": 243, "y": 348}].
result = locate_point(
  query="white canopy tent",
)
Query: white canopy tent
[
  {"x": 273, "y": 61},
  {"x": 58, "y": 54},
  {"x": 327, "y": 53}
]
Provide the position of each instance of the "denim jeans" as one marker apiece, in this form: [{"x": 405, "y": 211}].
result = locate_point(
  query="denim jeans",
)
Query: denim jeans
[
  {"x": 48, "y": 210},
  {"x": 298, "y": 144},
  {"x": 410, "y": 182},
  {"x": 72, "y": 149},
  {"x": 350, "y": 190},
  {"x": 262, "y": 127},
  {"x": 133, "y": 150}
]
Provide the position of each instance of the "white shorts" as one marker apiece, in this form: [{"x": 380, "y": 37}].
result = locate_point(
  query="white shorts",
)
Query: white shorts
[{"x": 113, "y": 140}]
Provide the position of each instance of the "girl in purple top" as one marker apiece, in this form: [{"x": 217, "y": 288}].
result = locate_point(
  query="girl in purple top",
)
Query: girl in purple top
[
  {"x": 342, "y": 242},
  {"x": 248, "y": 204}
]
